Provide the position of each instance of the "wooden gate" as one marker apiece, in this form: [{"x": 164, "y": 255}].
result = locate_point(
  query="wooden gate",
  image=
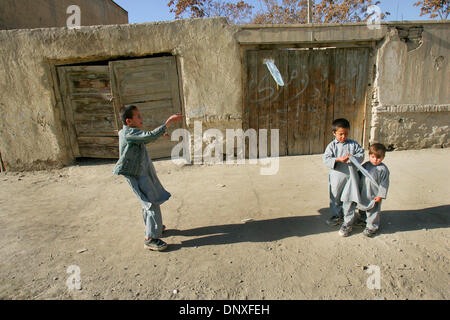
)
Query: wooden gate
[
  {"x": 93, "y": 96},
  {"x": 320, "y": 86}
]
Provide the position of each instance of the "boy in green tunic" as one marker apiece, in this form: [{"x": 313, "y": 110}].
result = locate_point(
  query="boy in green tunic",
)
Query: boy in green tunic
[{"x": 135, "y": 164}]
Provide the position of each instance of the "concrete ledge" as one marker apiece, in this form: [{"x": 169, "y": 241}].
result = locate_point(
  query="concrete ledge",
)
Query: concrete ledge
[
  {"x": 301, "y": 34},
  {"x": 318, "y": 33},
  {"x": 406, "y": 108}
]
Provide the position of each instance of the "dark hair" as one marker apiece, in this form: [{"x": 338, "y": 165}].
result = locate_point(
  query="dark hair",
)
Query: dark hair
[
  {"x": 340, "y": 123},
  {"x": 378, "y": 149},
  {"x": 127, "y": 113}
]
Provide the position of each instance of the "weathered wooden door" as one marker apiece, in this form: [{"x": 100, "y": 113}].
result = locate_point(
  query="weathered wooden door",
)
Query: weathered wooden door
[
  {"x": 320, "y": 85},
  {"x": 90, "y": 115},
  {"x": 93, "y": 96},
  {"x": 150, "y": 84}
]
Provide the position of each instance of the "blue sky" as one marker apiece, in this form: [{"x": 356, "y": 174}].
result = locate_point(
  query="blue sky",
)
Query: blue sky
[{"x": 157, "y": 10}]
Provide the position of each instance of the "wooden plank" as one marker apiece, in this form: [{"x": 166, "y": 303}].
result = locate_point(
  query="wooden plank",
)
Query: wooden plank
[
  {"x": 368, "y": 95},
  {"x": 328, "y": 134},
  {"x": 340, "y": 92},
  {"x": 309, "y": 93},
  {"x": 277, "y": 109},
  {"x": 302, "y": 84},
  {"x": 175, "y": 96},
  {"x": 95, "y": 105},
  {"x": 252, "y": 102},
  {"x": 95, "y": 126},
  {"x": 253, "y": 95},
  {"x": 116, "y": 102},
  {"x": 291, "y": 103},
  {"x": 266, "y": 93},
  {"x": 93, "y": 151},
  {"x": 352, "y": 111},
  {"x": 100, "y": 141},
  {"x": 245, "y": 87},
  {"x": 60, "y": 110},
  {"x": 282, "y": 109},
  {"x": 68, "y": 111},
  {"x": 99, "y": 147},
  {"x": 297, "y": 87},
  {"x": 349, "y": 83},
  {"x": 361, "y": 89},
  {"x": 319, "y": 76},
  {"x": 352, "y": 82}
]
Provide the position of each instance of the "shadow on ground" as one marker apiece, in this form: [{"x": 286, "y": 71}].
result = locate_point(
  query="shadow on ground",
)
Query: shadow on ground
[
  {"x": 82, "y": 162},
  {"x": 280, "y": 228},
  {"x": 393, "y": 221},
  {"x": 99, "y": 161}
]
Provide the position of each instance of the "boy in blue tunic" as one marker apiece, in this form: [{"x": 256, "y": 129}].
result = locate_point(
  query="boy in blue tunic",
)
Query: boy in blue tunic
[
  {"x": 374, "y": 192},
  {"x": 336, "y": 158},
  {"x": 135, "y": 164}
]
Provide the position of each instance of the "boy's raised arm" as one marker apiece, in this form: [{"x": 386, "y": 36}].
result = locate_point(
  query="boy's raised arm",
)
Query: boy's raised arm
[
  {"x": 139, "y": 136},
  {"x": 174, "y": 118}
]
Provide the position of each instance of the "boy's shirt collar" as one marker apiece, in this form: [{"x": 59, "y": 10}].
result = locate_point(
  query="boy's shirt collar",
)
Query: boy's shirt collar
[
  {"x": 128, "y": 127},
  {"x": 375, "y": 165},
  {"x": 341, "y": 142}
]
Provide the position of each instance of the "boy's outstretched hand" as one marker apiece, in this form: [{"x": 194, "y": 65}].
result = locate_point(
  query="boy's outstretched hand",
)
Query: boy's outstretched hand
[
  {"x": 172, "y": 119},
  {"x": 377, "y": 199}
]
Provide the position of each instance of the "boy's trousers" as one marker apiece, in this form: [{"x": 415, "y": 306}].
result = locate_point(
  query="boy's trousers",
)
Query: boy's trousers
[
  {"x": 372, "y": 217},
  {"x": 349, "y": 212},
  {"x": 336, "y": 184},
  {"x": 151, "y": 211}
]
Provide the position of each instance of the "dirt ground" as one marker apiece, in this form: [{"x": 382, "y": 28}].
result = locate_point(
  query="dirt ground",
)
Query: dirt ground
[{"x": 83, "y": 215}]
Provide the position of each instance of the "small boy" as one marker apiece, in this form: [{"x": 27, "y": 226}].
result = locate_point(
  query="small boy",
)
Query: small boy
[
  {"x": 369, "y": 191},
  {"x": 336, "y": 158},
  {"x": 135, "y": 164}
]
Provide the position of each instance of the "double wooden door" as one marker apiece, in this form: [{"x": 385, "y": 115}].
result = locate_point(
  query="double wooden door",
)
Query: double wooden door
[
  {"x": 319, "y": 85},
  {"x": 93, "y": 95}
]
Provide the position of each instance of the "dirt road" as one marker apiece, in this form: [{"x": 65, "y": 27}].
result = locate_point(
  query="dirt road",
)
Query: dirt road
[{"x": 84, "y": 216}]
